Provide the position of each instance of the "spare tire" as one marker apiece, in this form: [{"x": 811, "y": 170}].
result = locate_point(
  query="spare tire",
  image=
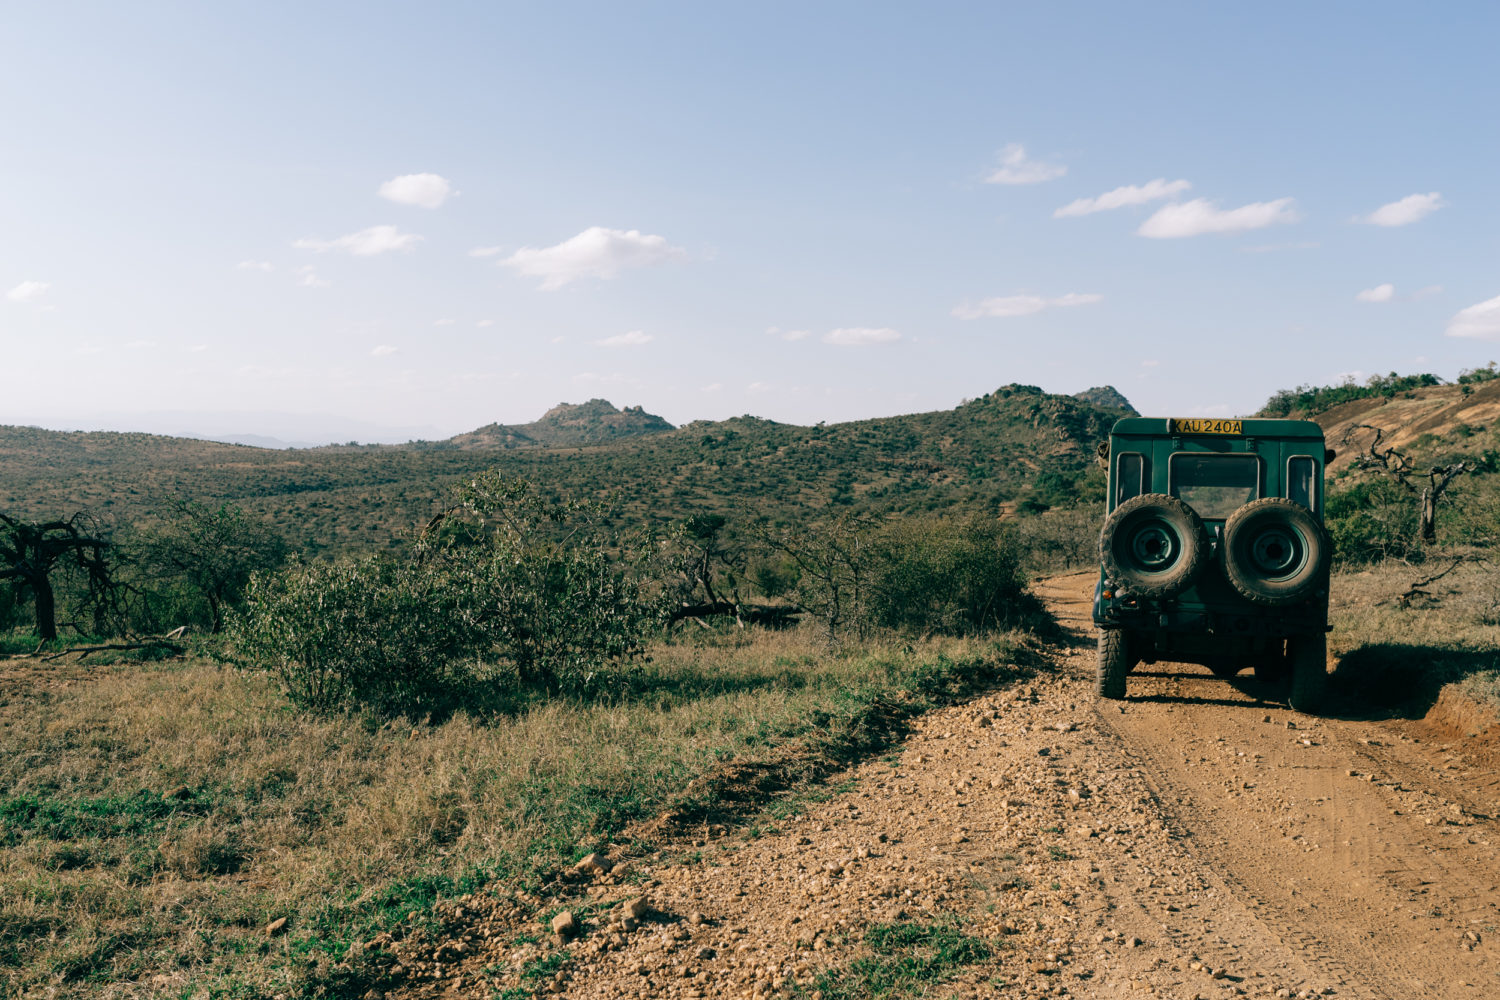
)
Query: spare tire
[
  {"x": 1275, "y": 552},
  {"x": 1153, "y": 545}
]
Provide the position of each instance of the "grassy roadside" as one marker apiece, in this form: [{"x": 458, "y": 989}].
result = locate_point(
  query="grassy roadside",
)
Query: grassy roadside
[
  {"x": 155, "y": 818},
  {"x": 1405, "y": 655}
]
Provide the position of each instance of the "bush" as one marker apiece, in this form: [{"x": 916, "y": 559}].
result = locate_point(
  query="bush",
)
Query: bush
[
  {"x": 381, "y": 633},
  {"x": 503, "y": 587},
  {"x": 1372, "y": 520},
  {"x": 948, "y": 576}
]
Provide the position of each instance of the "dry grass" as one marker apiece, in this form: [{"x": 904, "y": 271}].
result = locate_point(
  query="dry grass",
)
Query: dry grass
[
  {"x": 1451, "y": 637},
  {"x": 154, "y": 818}
]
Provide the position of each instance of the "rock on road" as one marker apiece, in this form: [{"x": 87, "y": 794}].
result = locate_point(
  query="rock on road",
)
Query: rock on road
[{"x": 1193, "y": 840}]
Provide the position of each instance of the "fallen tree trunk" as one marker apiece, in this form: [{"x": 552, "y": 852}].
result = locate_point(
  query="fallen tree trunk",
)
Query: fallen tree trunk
[
  {"x": 175, "y": 648},
  {"x": 769, "y": 615}
]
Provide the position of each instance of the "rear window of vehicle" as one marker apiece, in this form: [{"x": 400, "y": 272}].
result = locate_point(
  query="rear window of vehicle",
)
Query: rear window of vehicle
[
  {"x": 1214, "y": 485},
  {"x": 1302, "y": 481},
  {"x": 1130, "y": 476}
]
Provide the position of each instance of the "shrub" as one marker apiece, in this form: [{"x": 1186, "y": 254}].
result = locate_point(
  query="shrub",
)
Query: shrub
[
  {"x": 379, "y": 632},
  {"x": 949, "y": 576},
  {"x": 1371, "y": 520},
  {"x": 503, "y": 586}
]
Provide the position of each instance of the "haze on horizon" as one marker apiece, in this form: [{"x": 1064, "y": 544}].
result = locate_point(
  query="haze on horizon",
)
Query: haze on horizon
[{"x": 379, "y": 222}]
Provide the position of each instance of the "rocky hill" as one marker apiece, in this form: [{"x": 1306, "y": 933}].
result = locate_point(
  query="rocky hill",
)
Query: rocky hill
[
  {"x": 1109, "y": 398},
  {"x": 567, "y": 425}
]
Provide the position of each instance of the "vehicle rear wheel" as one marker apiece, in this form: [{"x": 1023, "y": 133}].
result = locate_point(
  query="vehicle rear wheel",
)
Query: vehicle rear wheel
[
  {"x": 1275, "y": 552},
  {"x": 1307, "y": 658},
  {"x": 1153, "y": 546},
  {"x": 1114, "y": 664}
]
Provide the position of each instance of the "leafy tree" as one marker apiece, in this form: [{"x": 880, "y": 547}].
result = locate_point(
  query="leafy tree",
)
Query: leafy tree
[
  {"x": 212, "y": 550},
  {"x": 30, "y": 552}
]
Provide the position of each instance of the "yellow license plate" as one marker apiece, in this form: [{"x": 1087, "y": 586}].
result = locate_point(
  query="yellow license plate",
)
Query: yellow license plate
[{"x": 1196, "y": 425}]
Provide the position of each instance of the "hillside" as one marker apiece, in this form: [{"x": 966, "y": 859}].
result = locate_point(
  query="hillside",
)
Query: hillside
[
  {"x": 1011, "y": 444},
  {"x": 1421, "y": 415},
  {"x": 567, "y": 425}
]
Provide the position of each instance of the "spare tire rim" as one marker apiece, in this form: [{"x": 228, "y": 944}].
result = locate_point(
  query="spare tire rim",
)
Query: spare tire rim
[
  {"x": 1154, "y": 546},
  {"x": 1276, "y": 552}
]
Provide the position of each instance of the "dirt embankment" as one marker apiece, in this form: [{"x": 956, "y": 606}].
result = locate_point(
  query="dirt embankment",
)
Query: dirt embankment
[{"x": 1194, "y": 840}]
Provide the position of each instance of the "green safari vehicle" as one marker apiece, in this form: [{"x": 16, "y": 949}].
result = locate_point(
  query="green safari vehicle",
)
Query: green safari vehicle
[{"x": 1213, "y": 551}]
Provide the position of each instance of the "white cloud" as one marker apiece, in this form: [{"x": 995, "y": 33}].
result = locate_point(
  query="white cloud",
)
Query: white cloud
[
  {"x": 308, "y": 278},
  {"x": 484, "y": 323},
  {"x": 1151, "y": 364},
  {"x": 635, "y": 338},
  {"x": 1008, "y": 306},
  {"x": 1016, "y": 168},
  {"x": 596, "y": 252},
  {"x": 142, "y": 345},
  {"x": 1120, "y": 197},
  {"x": 759, "y": 387},
  {"x": 486, "y": 251},
  {"x": 860, "y": 336},
  {"x": 382, "y": 351},
  {"x": 254, "y": 265},
  {"x": 445, "y": 322},
  {"x": 1480, "y": 321},
  {"x": 1380, "y": 293},
  {"x": 422, "y": 190},
  {"x": 28, "y": 291},
  {"x": 712, "y": 387},
  {"x": 1412, "y": 208},
  {"x": 1427, "y": 291},
  {"x": 1199, "y": 216},
  {"x": 365, "y": 243},
  {"x": 197, "y": 348}
]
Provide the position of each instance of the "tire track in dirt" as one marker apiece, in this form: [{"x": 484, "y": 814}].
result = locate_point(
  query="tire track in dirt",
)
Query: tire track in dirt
[{"x": 1343, "y": 835}]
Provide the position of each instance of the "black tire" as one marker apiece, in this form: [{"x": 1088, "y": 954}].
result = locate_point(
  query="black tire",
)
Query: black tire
[
  {"x": 1271, "y": 670},
  {"x": 1307, "y": 657},
  {"x": 1228, "y": 671},
  {"x": 1153, "y": 546},
  {"x": 1114, "y": 664},
  {"x": 1275, "y": 552}
]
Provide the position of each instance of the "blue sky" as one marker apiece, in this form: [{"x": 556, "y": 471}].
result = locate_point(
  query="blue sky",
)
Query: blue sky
[{"x": 378, "y": 221}]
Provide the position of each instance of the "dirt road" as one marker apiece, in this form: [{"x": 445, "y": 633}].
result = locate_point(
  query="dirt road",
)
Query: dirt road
[{"x": 1192, "y": 841}]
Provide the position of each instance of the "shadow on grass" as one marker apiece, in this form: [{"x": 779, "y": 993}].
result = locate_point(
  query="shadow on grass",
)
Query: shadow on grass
[{"x": 1400, "y": 680}]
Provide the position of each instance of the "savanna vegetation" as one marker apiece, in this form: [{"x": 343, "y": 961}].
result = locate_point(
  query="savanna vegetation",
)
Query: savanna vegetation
[{"x": 359, "y": 680}]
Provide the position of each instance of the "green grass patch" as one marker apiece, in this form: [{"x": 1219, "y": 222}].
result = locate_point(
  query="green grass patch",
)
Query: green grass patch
[{"x": 905, "y": 960}]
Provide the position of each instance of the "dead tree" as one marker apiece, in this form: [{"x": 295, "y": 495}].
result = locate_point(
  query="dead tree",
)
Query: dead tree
[
  {"x": 31, "y": 551},
  {"x": 1401, "y": 468}
]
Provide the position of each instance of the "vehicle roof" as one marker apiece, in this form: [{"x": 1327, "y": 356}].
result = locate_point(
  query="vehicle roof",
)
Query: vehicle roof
[{"x": 1251, "y": 427}]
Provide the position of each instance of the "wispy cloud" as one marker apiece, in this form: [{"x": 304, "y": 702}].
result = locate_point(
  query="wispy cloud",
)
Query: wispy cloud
[
  {"x": 1412, "y": 208},
  {"x": 634, "y": 338},
  {"x": 365, "y": 243},
  {"x": 712, "y": 387},
  {"x": 1380, "y": 293},
  {"x": 382, "y": 351},
  {"x": 1480, "y": 321},
  {"x": 422, "y": 190},
  {"x": 860, "y": 336},
  {"x": 596, "y": 252},
  {"x": 307, "y": 277},
  {"x": 254, "y": 265},
  {"x": 1008, "y": 306},
  {"x": 1017, "y": 168},
  {"x": 481, "y": 324},
  {"x": 1121, "y": 197},
  {"x": 611, "y": 378},
  {"x": 1201, "y": 216},
  {"x": 28, "y": 291},
  {"x": 486, "y": 251}
]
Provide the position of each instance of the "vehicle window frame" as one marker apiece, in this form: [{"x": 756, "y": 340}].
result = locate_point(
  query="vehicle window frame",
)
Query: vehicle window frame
[
  {"x": 1260, "y": 472},
  {"x": 1141, "y": 485},
  {"x": 1316, "y": 481}
]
